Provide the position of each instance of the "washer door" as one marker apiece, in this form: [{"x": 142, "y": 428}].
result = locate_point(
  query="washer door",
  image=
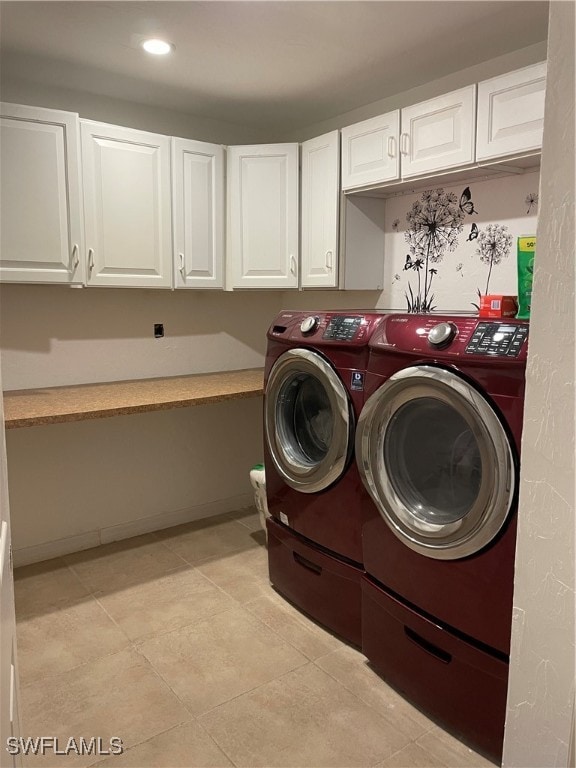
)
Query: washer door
[
  {"x": 437, "y": 462},
  {"x": 308, "y": 420}
]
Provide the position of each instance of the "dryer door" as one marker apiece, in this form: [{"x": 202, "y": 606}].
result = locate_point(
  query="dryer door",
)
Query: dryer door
[
  {"x": 437, "y": 462},
  {"x": 308, "y": 419}
]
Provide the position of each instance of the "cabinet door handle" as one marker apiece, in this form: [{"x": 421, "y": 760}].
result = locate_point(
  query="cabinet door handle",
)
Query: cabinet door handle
[
  {"x": 391, "y": 146},
  {"x": 74, "y": 257},
  {"x": 329, "y": 260},
  {"x": 293, "y": 265},
  {"x": 90, "y": 259},
  {"x": 182, "y": 265},
  {"x": 405, "y": 143}
]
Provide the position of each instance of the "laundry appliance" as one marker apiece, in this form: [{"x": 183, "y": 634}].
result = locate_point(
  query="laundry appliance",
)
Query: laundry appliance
[
  {"x": 437, "y": 445},
  {"x": 314, "y": 380}
]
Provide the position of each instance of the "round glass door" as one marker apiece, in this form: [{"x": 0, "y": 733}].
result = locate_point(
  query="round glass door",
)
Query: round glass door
[
  {"x": 437, "y": 462},
  {"x": 308, "y": 420}
]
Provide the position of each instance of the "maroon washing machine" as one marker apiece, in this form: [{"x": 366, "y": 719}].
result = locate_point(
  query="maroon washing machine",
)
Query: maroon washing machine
[
  {"x": 314, "y": 381},
  {"x": 437, "y": 446}
]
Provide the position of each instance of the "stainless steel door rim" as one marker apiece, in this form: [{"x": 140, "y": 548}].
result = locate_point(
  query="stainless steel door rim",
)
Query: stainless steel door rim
[
  {"x": 313, "y": 464},
  {"x": 483, "y": 504}
]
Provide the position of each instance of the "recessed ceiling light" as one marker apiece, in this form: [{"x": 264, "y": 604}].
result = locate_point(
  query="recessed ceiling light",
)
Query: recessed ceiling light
[{"x": 157, "y": 47}]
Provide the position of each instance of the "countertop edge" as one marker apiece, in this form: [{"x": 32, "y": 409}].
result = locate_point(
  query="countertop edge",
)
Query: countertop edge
[{"x": 62, "y": 413}]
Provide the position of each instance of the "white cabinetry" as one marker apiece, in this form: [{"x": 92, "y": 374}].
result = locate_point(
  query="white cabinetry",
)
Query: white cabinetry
[
  {"x": 342, "y": 244},
  {"x": 432, "y": 136},
  {"x": 262, "y": 242},
  {"x": 41, "y": 212},
  {"x": 320, "y": 194},
  {"x": 127, "y": 206},
  {"x": 198, "y": 213},
  {"x": 438, "y": 134},
  {"x": 511, "y": 113},
  {"x": 370, "y": 151}
]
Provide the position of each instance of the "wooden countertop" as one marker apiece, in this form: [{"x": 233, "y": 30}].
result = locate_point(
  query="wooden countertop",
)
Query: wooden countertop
[{"x": 53, "y": 405}]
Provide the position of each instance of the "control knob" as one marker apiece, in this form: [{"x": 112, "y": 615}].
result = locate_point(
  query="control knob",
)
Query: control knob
[
  {"x": 441, "y": 335},
  {"x": 309, "y": 324}
]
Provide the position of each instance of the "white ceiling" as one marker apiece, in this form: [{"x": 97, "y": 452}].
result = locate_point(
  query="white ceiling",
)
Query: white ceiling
[{"x": 280, "y": 65}]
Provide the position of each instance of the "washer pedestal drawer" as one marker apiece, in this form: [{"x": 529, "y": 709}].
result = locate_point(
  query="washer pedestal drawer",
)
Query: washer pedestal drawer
[
  {"x": 324, "y": 587},
  {"x": 462, "y": 687}
]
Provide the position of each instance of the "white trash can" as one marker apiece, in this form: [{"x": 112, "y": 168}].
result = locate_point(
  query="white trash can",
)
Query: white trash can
[{"x": 258, "y": 482}]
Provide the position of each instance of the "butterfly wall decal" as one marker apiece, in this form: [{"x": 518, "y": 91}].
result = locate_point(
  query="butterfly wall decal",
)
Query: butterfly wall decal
[
  {"x": 466, "y": 205},
  {"x": 474, "y": 231}
]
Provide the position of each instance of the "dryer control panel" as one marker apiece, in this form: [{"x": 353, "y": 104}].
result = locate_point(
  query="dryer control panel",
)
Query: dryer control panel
[
  {"x": 492, "y": 338},
  {"x": 449, "y": 337}
]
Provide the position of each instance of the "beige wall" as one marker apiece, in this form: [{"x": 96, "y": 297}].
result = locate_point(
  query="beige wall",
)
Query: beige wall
[
  {"x": 458, "y": 79},
  {"x": 541, "y": 687},
  {"x": 74, "y": 486},
  {"x": 17, "y": 87},
  {"x": 57, "y": 335}
]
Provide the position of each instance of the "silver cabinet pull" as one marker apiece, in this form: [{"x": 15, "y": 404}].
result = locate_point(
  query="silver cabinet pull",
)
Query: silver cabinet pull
[
  {"x": 293, "y": 265},
  {"x": 391, "y": 146},
  {"x": 182, "y": 265},
  {"x": 90, "y": 259},
  {"x": 329, "y": 260},
  {"x": 74, "y": 257},
  {"x": 404, "y": 146}
]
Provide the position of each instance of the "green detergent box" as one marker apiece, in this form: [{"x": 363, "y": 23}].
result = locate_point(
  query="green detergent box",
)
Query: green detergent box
[{"x": 526, "y": 249}]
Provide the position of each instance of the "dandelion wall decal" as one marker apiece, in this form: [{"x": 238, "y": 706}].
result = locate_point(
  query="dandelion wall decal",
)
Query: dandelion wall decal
[
  {"x": 494, "y": 244},
  {"x": 531, "y": 201},
  {"x": 459, "y": 269},
  {"x": 435, "y": 221},
  {"x": 395, "y": 225}
]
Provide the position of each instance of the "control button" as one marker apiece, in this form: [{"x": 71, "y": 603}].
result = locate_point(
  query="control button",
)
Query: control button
[
  {"x": 309, "y": 324},
  {"x": 441, "y": 335}
]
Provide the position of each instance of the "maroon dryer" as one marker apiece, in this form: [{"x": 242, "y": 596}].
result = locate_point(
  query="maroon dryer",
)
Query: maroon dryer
[
  {"x": 437, "y": 446},
  {"x": 314, "y": 379}
]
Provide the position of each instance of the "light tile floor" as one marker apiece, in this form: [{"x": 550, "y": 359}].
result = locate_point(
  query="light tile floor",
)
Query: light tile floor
[{"x": 176, "y": 643}]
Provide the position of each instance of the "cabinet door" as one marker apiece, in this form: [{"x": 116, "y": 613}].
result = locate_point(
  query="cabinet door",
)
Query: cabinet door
[
  {"x": 370, "y": 151},
  {"x": 127, "y": 206},
  {"x": 439, "y": 134},
  {"x": 198, "y": 213},
  {"x": 41, "y": 212},
  {"x": 511, "y": 113},
  {"x": 263, "y": 216},
  {"x": 320, "y": 195}
]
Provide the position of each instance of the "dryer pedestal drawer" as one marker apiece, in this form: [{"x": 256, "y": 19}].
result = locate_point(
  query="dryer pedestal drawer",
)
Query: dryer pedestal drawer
[
  {"x": 320, "y": 585},
  {"x": 461, "y": 686}
]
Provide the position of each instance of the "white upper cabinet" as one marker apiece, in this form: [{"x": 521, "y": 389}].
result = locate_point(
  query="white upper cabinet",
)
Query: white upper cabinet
[
  {"x": 41, "y": 212},
  {"x": 198, "y": 214},
  {"x": 370, "y": 151},
  {"x": 127, "y": 206},
  {"x": 262, "y": 241},
  {"x": 511, "y": 113},
  {"x": 320, "y": 194},
  {"x": 439, "y": 134}
]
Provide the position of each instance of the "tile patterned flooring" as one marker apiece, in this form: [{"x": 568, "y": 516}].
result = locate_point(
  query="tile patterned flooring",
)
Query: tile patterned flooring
[{"x": 176, "y": 643}]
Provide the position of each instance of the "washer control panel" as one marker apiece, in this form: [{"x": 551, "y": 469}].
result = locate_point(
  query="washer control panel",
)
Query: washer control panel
[
  {"x": 342, "y": 327},
  {"x": 494, "y": 338}
]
